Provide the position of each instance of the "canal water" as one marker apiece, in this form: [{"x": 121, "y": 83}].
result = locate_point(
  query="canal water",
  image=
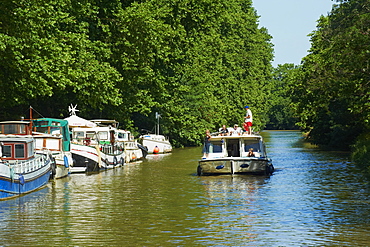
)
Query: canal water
[{"x": 314, "y": 198}]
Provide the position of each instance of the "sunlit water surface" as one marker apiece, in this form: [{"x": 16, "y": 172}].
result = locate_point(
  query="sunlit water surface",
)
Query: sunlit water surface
[{"x": 314, "y": 198}]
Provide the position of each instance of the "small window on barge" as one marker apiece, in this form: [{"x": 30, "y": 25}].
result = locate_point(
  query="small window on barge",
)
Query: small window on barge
[
  {"x": 252, "y": 144},
  {"x": 7, "y": 151},
  {"x": 217, "y": 146},
  {"x": 19, "y": 151}
]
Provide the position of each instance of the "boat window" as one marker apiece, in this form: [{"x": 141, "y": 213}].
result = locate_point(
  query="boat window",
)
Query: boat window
[
  {"x": 10, "y": 129},
  {"x": 42, "y": 129},
  {"x": 121, "y": 136},
  {"x": 252, "y": 144},
  {"x": 55, "y": 130},
  {"x": 19, "y": 150},
  {"x": 79, "y": 134},
  {"x": 103, "y": 135},
  {"x": 30, "y": 149},
  {"x": 7, "y": 151},
  {"x": 217, "y": 146},
  {"x": 91, "y": 135}
]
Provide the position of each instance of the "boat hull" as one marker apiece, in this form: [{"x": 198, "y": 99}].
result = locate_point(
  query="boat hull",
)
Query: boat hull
[
  {"x": 13, "y": 183},
  {"x": 91, "y": 159},
  {"x": 260, "y": 166},
  {"x": 155, "y": 146}
]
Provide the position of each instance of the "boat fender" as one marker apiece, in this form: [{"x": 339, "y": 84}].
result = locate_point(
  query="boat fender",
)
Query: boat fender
[
  {"x": 21, "y": 179},
  {"x": 220, "y": 167},
  {"x": 122, "y": 161},
  {"x": 115, "y": 161},
  {"x": 53, "y": 167},
  {"x": 66, "y": 164},
  {"x": 11, "y": 171},
  {"x": 156, "y": 150},
  {"x": 244, "y": 165}
]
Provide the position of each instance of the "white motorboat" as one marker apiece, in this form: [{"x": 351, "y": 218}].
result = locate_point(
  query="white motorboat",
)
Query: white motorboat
[
  {"x": 134, "y": 151},
  {"x": 93, "y": 148},
  {"x": 156, "y": 143},
  {"x": 236, "y": 154}
]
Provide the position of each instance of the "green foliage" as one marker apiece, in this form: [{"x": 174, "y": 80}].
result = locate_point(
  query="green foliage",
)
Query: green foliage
[
  {"x": 361, "y": 153},
  {"x": 197, "y": 63},
  {"x": 332, "y": 96},
  {"x": 281, "y": 114}
]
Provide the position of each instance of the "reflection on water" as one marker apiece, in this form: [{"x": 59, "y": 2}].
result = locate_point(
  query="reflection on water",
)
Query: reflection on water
[{"x": 315, "y": 198}]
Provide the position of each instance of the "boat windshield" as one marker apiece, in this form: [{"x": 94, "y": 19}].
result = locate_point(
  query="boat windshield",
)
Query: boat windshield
[
  {"x": 216, "y": 146},
  {"x": 255, "y": 144}
]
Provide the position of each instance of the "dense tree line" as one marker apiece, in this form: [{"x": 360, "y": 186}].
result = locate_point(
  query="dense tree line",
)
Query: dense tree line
[
  {"x": 197, "y": 63},
  {"x": 332, "y": 96}
]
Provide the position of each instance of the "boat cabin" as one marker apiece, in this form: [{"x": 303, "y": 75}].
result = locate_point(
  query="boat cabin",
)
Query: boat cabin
[
  {"x": 52, "y": 134},
  {"x": 92, "y": 136},
  {"x": 15, "y": 128},
  {"x": 17, "y": 148},
  {"x": 236, "y": 146},
  {"x": 159, "y": 138},
  {"x": 123, "y": 136}
]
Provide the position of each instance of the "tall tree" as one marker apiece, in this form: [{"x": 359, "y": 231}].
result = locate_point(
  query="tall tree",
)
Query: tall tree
[{"x": 333, "y": 95}]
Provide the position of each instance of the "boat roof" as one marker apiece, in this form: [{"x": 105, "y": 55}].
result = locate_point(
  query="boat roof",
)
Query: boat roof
[
  {"x": 15, "y": 122},
  {"x": 16, "y": 139},
  {"x": 105, "y": 122},
  {"x": 96, "y": 129},
  {"x": 49, "y": 121},
  {"x": 76, "y": 121},
  {"x": 244, "y": 137}
]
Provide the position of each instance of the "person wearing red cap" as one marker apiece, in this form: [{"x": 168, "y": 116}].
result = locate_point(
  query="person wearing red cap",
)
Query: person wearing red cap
[{"x": 248, "y": 120}]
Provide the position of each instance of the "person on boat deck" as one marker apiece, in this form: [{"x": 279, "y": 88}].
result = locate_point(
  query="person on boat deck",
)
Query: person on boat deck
[
  {"x": 207, "y": 144},
  {"x": 236, "y": 131},
  {"x": 248, "y": 120},
  {"x": 250, "y": 153},
  {"x": 223, "y": 131}
]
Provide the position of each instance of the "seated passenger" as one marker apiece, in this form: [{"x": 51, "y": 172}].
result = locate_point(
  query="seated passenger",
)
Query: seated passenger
[
  {"x": 236, "y": 131},
  {"x": 223, "y": 131},
  {"x": 250, "y": 153}
]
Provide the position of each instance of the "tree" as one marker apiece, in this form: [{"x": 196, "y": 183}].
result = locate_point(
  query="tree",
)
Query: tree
[{"x": 333, "y": 95}]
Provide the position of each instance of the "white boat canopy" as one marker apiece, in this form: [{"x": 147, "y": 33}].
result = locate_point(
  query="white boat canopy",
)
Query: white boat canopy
[{"x": 76, "y": 121}]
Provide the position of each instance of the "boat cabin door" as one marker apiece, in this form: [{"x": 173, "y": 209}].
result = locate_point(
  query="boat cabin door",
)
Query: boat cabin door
[{"x": 233, "y": 148}]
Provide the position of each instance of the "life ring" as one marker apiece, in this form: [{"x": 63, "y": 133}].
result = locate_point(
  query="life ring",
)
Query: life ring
[{"x": 66, "y": 163}]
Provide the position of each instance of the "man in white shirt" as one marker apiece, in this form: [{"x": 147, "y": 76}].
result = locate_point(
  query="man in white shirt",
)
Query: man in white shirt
[
  {"x": 248, "y": 120},
  {"x": 236, "y": 131}
]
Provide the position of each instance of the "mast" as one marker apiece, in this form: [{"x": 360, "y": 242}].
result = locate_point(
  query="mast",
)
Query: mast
[
  {"x": 157, "y": 116},
  {"x": 30, "y": 120}
]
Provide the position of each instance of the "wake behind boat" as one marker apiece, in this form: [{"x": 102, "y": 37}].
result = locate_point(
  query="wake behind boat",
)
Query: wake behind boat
[{"x": 236, "y": 154}]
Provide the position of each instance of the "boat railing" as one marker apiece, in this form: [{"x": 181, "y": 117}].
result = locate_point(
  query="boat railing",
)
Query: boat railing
[
  {"x": 25, "y": 166},
  {"x": 111, "y": 149}
]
